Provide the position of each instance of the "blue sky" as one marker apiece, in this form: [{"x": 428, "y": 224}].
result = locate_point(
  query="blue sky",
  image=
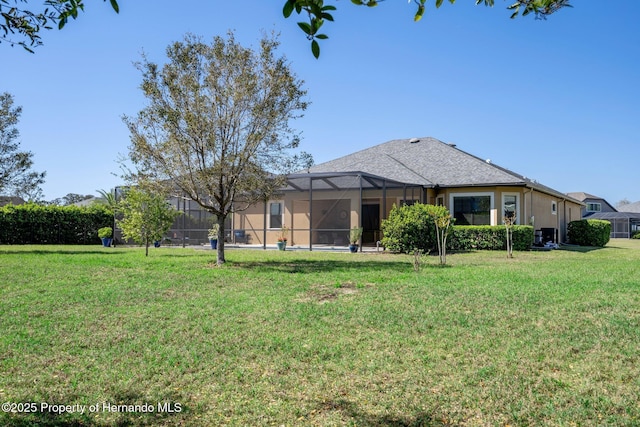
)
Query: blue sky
[{"x": 557, "y": 100}]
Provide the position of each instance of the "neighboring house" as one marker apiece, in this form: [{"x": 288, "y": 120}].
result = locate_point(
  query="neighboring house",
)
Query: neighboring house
[
  {"x": 10, "y": 200},
  {"x": 592, "y": 204},
  {"x": 625, "y": 221},
  {"x": 321, "y": 204},
  {"x": 89, "y": 201}
]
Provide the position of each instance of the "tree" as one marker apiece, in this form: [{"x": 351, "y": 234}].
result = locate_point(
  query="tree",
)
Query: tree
[
  {"x": 509, "y": 220},
  {"x": 318, "y": 13},
  {"x": 622, "y": 203},
  {"x": 26, "y": 24},
  {"x": 147, "y": 217},
  {"x": 216, "y": 129},
  {"x": 70, "y": 199},
  {"x": 16, "y": 176},
  {"x": 442, "y": 220},
  {"x": 108, "y": 199}
]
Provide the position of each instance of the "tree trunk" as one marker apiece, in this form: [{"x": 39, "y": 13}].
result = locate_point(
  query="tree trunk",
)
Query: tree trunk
[
  {"x": 146, "y": 246},
  {"x": 221, "y": 231}
]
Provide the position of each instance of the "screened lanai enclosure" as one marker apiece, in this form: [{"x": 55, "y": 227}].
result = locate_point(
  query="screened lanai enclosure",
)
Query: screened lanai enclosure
[
  {"x": 315, "y": 209},
  {"x": 623, "y": 224}
]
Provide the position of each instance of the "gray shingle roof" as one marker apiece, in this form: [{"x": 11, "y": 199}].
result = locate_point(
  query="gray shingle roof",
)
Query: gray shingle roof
[
  {"x": 428, "y": 162},
  {"x": 631, "y": 207}
]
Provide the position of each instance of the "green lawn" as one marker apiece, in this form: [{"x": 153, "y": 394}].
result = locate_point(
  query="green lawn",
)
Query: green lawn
[{"x": 299, "y": 338}]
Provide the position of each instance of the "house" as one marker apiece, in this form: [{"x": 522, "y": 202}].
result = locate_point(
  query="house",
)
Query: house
[
  {"x": 11, "y": 200},
  {"x": 625, "y": 221},
  {"x": 592, "y": 204},
  {"x": 631, "y": 207},
  {"x": 321, "y": 204}
]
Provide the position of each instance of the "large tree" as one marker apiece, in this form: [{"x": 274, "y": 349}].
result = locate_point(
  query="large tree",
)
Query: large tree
[
  {"x": 318, "y": 12},
  {"x": 27, "y": 23},
  {"x": 22, "y": 26},
  {"x": 216, "y": 127},
  {"x": 16, "y": 176}
]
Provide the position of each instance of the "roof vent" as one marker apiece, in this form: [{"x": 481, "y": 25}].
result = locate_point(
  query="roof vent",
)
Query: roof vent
[
  {"x": 451, "y": 144},
  {"x": 414, "y": 140},
  {"x": 488, "y": 161}
]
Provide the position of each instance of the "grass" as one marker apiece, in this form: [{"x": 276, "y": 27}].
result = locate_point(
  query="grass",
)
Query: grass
[{"x": 296, "y": 338}]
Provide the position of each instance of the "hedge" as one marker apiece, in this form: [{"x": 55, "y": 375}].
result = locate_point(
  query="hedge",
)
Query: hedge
[
  {"x": 489, "y": 237},
  {"x": 38, "y": 224},
  {"x": 411, "y": 227},
  {"x": 589, "y": 232}
]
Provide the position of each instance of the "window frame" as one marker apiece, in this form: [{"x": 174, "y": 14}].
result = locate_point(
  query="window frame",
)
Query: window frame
[
  {"x": 517, "y": 196},
  {"x": 590, "y": 204},
  {"x": 270, "y": 215},
  {"x": 489, "y": 194}
]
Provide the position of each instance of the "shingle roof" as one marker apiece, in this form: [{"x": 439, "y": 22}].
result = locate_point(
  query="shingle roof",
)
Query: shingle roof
[
  {"x": 631, "y": 207},
  {"x": 428, "y": 162},
  {"x": 582, "y": 196},
  {"x": 14, "y": 200}
]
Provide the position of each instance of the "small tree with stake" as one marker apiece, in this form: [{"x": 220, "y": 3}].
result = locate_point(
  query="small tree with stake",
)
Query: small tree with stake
[
  {"x": 147, "y": 217},
  {"x": 442, "y": 220},
  {"x": 509, "y": 221}
]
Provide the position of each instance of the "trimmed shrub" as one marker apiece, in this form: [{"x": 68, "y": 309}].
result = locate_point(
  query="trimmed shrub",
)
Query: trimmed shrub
[
  {"x": 411, "y": 227},
  {"x": 38, "y": 224},
  {"x": 488, "y": 237},
  {"x": 589, "y": 232},
  {"x": 635, "y": 235}
]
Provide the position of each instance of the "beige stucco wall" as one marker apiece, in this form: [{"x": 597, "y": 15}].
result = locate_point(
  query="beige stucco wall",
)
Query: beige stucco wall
[
  {"x": 297, "y": 218},
  {"x": 531, "y": 203}
]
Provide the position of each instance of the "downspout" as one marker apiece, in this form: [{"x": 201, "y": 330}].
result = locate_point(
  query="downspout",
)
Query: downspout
[
  {"x": 360, "y": 211},
  {"x": 310, "y": 214},
  {"x": 264, "y": 226}
]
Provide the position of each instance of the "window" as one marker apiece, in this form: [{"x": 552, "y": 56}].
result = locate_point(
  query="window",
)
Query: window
[
  {"x": 440, "y": 201},
  {"x": 510, "y": 206},
  {"x": 554, "y": 207},
  {"x": 472, "y": 208},
  {"x": 594, "y": 207},
  {"x": 275, "y": 215}
]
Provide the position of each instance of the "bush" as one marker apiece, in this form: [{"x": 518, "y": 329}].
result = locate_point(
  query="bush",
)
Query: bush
[
  {"x": 105, "y": 233},
  {"x": 635, "y": 235},
  {"x": 488, "y": 237},
  {"x": 37, "y": 224},
  {"x": 411, "y": 227},
  {"x": 589, "y": 232}
]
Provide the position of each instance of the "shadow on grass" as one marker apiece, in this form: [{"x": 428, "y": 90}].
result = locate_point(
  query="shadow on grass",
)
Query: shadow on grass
[
  {"x": 56, "y": 251},
  {"x": 358, "y": 417},
  {"x": 583, "y": 249},
  {"x": 319, "y": 266}
]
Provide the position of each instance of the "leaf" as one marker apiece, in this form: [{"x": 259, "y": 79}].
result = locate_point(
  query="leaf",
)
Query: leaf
[
  {"x": 114, "y": 5},
  {"x": 438, "y": 3},
  {"x": 322, "y": 36},
  {"x": 358, "y": 2},
  {"x": 419, "y": 13},
  {"x": 315, "y": 48},
  {"x": 305, "y": 27},
  {"x": 287, "y": 10}
]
